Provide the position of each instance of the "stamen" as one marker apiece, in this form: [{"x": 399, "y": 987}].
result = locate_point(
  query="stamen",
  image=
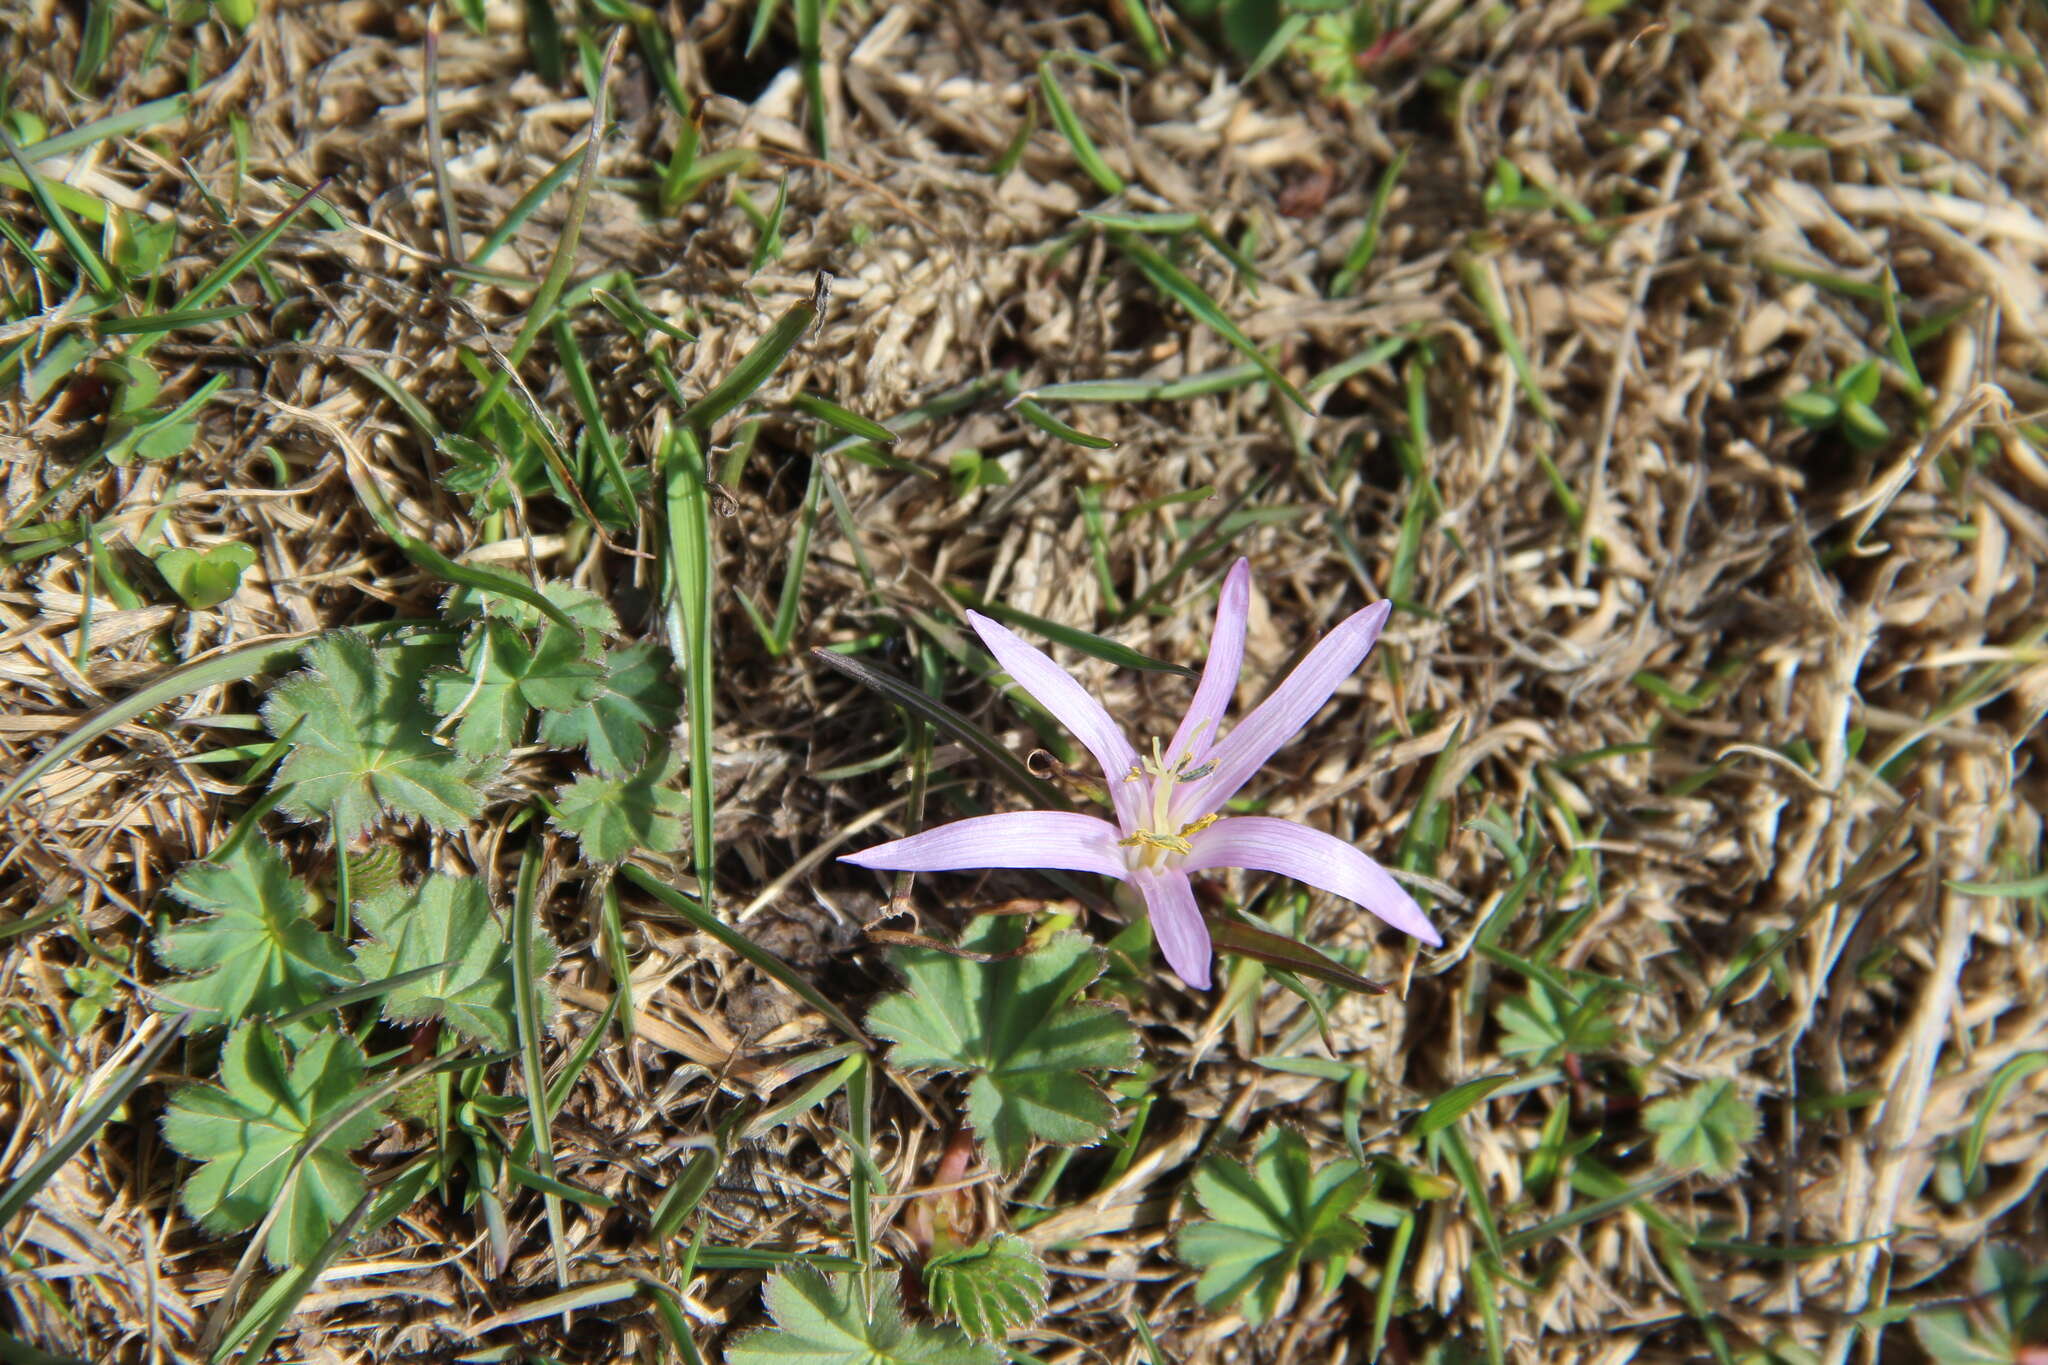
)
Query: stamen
[{"x": 1166, "y": 843}]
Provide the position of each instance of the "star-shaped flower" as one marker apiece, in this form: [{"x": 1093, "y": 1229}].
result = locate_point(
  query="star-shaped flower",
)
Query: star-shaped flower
[{"x": 1168, "y": 806}]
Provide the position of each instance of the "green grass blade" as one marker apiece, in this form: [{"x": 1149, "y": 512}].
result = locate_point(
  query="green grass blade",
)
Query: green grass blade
[
  {"x": 169, "y": 109},
  {"x": 526, "y": 1010},
  {"x": 540, "y": 310},
  {"x": 764, "y": 19},
  {"x": 770, "y": 965},
  {"x": 810, "y": 56},
  {"x": 754, "y": 370},
  {"x": 913, "y": 699},
  {"x": 230, "y": 270},
  {"x": 786, "y": 606},
  {"x": 1191, "y": 296},
  {"x": 829, "y": 412},
  {"x": 860, "y": 1104},
  {"x": 261, "y": 656},
  {"x": 687, "y": 505},
  {"x": 527, "y": 205},
  {"x": 1361, "y": 253},
  {"x": 1076, "y": 133},
  {"x": 1123, "y": 656},
  {"x": 1053, "y": 426},
  {"x": 25, "y": 1186},
  {"x": 81, "y": 251}
]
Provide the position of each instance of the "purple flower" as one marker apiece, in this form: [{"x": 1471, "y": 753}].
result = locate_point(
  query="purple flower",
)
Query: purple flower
[{"x": 1168, "y": 805}]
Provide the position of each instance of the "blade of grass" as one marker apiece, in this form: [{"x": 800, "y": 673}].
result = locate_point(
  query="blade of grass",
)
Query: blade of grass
[
  {"x": 1090, "y": 498},
  {"x": 1175, "y": 285},
  {"x": 1390, "y": 1284},
  {"x": 1076, "y": 133},
  {"x": 686, "y": 500},
  {"x": 72, "y": 1141},
  {"x": 786, "y": 606},
  {"x": 949, "y": 722},
  {"x": 1053, "y": 426},
  {"x": 770, "y": 965},
  {"x": 810, "y": 55},
  {"x": 540, "y": 310},
  {"x": 755, "y": 368},
  {"x": 270, "y": 655},
  {"x": 1146, "y": 390},
  {"x": 82, "y": 254},
  {"x": 526, "y": 1010},
  {"x": 525, "y": 208},
  {"x": 413, "y": 547},
  {"x": 860, "y": 1104},
  {"x": 825, "y": 410},
  {"x": 1123, "y": 656},
  {"x": 230, "y": 270},
  {"x": 1361, "y": 253},
  {"x": 125, "y": 122}
]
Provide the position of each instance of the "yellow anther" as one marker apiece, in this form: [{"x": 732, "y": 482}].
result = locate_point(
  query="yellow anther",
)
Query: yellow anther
[{"x": 1147, "y": 838}]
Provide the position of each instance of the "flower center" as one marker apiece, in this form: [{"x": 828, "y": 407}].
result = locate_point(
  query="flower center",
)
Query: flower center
[{"x": 1158, "y": 843}]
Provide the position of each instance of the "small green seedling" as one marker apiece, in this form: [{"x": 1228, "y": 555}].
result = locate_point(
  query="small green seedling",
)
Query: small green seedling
[
  {"x": 204, "y": 579},
  {"x": 1845, "y": 404}
]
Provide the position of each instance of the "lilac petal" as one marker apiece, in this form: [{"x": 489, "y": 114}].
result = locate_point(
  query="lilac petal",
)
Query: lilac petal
[
  {"x": 1023, "y": 838},
  {"x": 1281, "y": 716},
  {"x": 1176, "y": 923},
  {"x": 1309, "y": 855},
  {"x": 1199, "y": 728},
  {"x": 1055, "y": 689}
]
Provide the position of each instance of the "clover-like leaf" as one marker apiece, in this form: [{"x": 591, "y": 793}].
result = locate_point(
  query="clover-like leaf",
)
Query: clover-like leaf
[
  {"x": 1271, "y": 1219},
  {"x": 2008, "y": 1317},
  {"x": 1014, "y": 1026},
  {"x": 205, "y": 578},
  {"x": 991, "y": 1289},
  {"x": 634, "y": 703},
  {"x": 1705, "y": 1127},
  {"x": 502, "y": 677},
  {"x": 820, "y": 1320},
  {"x": 1545, "y": 1024},
  {"x": 257, "y": 950},
  {"x": 360, "y": 745},
  {"x": 613, "y": 816},
  {"x": 277, "y": 1130},
  {"x": 447, "y": 921}
]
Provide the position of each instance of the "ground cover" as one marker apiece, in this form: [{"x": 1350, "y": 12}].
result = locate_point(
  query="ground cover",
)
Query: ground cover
[{"x": 493, "y": 506}]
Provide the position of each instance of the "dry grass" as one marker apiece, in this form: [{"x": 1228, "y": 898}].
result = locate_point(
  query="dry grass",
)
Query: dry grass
[{"x": 1875, "y": 616}]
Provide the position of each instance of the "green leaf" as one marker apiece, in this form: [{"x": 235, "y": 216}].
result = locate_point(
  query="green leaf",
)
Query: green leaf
[
  {"x": 2008, "y": 1315},
  {"x": 1015, "y": 1027},
  {"x": 614, "y": 816},
  {"x": 1271, "y": 1219},
  {"x": 1703, "y": 1128},
  {"x": 1447, "y": 1108},
  {"x": 991, "y": 1289},
  {"x": 257, "y": 951},
  {"x": 207, "y": 578},
  {"x": 820, "y": 1320},
  {"x": 447, "y": 921},
  {"x": 634, "y": 702},
  {"x": 1545, "y": 1025},
  {"x": 585, "y": 608},
  {"x": 502, "y": 677},
  {"x": 358, "y": 729},
  {"x": 268, "y": 1112}
]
